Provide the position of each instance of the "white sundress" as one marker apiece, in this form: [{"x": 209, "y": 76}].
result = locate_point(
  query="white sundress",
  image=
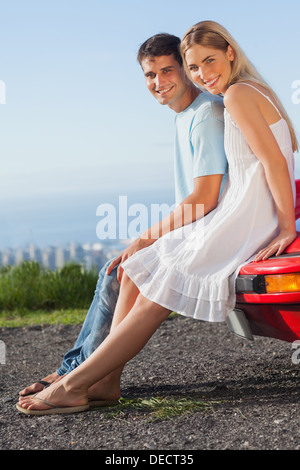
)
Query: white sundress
[{"x": 192, "y": 270}]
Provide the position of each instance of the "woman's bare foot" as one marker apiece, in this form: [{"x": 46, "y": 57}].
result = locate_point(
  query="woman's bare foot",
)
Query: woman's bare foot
[
  {"x": 38, "y": 387},
  {"x": 106, "y": 389},
  {"x": 58, "y": 395}
]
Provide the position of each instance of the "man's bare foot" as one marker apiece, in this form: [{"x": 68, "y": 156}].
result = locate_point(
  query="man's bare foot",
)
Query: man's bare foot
[{"x": 38, "y": 387}]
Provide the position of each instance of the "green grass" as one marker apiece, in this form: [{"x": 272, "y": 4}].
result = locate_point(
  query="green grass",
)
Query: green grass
[
  {"x": 161, "y": 408},
  {"x": 13, "y": 319},
  {"x": 30, "y": 287}
]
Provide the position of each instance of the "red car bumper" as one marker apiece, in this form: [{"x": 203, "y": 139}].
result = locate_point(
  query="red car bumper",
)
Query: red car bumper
[{"x": 275, "y": 315}]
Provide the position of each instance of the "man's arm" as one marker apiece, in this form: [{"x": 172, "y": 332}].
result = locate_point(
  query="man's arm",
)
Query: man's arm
[{"x": 200, "y": 202}]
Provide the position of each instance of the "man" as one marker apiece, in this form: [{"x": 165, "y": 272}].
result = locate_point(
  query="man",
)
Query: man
[{"x": 200, "y": 171}]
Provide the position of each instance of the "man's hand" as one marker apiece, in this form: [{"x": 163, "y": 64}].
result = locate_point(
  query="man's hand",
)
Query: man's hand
[{"x": 137, "y": 245}]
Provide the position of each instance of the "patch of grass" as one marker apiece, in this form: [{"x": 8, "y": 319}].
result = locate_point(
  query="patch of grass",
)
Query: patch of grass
[
  {"x": 162, "y": 408},
  {"x": 24, "y": 317},
  {"x": 13, "y": 319},
  {"x": 29, "y": 286}
]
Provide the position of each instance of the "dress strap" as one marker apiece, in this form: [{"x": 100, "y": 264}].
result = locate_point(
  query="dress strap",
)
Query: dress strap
[{"x": 266, "y": 96}]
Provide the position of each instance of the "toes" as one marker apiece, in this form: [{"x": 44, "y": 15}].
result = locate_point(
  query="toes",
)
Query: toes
[{"x": 28, "y": 403}]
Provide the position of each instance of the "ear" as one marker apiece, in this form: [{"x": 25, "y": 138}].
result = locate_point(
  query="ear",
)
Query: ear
[{"x": 230, "y": 53}]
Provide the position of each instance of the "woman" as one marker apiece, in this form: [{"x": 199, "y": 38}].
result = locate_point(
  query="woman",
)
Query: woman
[{"x": 193, "y": 272}]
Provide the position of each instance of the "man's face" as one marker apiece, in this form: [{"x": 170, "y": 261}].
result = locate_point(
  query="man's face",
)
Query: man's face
[{"x": 166, "y": 80}]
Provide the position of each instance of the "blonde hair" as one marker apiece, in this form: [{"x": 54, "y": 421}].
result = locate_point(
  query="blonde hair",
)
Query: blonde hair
[{"x": 212, "y": 34}]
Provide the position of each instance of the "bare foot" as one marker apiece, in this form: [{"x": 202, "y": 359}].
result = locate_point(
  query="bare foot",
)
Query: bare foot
[
  {"x": 106, "y": 389},
  {"x": 38, "y": 387},
  {"x": 57, "y": 395}
]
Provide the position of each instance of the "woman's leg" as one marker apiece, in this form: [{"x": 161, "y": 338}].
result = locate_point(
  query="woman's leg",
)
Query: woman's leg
[
  {"x": 108, "y": 388},
  {"x": 128, "y": 336}
]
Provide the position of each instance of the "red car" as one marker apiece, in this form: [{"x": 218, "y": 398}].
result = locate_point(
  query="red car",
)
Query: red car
[{"x": 268, "y": 294}]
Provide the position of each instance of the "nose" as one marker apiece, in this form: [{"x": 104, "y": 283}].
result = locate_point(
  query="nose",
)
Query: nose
[
  {"x": 200, "y": 74},
  {"x": 159, "y": 81}
]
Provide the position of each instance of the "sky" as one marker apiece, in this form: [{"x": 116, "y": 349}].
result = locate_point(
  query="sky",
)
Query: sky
[{"x": 76, "y": 120}]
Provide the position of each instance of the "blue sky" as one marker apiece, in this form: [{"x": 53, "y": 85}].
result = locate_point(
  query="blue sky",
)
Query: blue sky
[{"x": 78, "y": 118}]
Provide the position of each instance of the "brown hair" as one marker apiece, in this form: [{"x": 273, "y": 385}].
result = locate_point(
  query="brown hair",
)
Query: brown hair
[{"x": 159, "y": 45}]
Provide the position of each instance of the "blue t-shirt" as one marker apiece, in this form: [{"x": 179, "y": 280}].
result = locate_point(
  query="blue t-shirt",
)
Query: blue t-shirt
[{"x": 199, "y": 143}]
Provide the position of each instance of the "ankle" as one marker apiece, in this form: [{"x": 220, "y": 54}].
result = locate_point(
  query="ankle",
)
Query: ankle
[{"x": 71, "y": 385}]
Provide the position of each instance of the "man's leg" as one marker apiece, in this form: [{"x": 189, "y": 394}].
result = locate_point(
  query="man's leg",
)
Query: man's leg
[
  {"x": 97, "y": 322},
  {"x": 94, "y": 329}
]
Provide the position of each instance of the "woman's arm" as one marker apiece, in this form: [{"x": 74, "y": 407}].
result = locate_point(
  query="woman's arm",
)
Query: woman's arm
[
  {"x": 248, "y": 111},
  {"x": 202, "y": 200}
]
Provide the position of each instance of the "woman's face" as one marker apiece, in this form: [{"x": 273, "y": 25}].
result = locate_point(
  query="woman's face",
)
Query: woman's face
[{"x": 210, "y": 67}]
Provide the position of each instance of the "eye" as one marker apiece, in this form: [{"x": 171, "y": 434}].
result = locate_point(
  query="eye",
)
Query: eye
[{"x": 193, "y": 68}]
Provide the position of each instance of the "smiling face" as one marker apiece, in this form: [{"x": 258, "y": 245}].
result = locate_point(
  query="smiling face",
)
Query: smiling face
[
  {"x": 167, "y": 81},
  {"x": 210, "y": 67}
]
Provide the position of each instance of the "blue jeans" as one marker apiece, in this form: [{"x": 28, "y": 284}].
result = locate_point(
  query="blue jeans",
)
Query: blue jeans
[{"x": 97, "y": 323}]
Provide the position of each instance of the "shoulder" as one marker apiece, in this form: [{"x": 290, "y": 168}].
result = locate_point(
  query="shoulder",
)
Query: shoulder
[
  {"x": 241, "y": 100},
  {"x": 239, "y": 94},
  {"x": 236, "y": 92},
  {"x": 208, "y": 107}
]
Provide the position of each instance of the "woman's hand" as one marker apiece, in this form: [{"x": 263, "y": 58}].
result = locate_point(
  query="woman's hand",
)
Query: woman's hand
[
  {"x": 137, "y": 245},
  {"x": 276, "y": 246}
]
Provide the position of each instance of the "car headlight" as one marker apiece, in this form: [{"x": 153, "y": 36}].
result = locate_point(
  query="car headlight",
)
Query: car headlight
[{"x": 282, "y": 283}]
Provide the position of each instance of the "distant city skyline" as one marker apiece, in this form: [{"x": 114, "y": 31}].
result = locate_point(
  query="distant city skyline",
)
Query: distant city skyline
[{"x": 89, "y": 255}]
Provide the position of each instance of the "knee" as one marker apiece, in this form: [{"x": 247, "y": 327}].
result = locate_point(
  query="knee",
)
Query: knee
[
  {"x": 126, "y": 282},
  {"x": 148, "y": 307}
]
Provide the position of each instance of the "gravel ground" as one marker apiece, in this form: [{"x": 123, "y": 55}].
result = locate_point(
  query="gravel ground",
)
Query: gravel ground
[{"x": 253, "y": 389}]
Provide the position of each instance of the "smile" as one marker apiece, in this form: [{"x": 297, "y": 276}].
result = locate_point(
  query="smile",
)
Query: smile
[
  {"x": 164, "y": 91},
  {"x": 211, "y": 82}
]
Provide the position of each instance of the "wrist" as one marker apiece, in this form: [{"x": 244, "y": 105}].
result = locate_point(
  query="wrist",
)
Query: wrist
[
  {"x": 145, "y": 240},
  {"x": 289, "y": 228}
]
